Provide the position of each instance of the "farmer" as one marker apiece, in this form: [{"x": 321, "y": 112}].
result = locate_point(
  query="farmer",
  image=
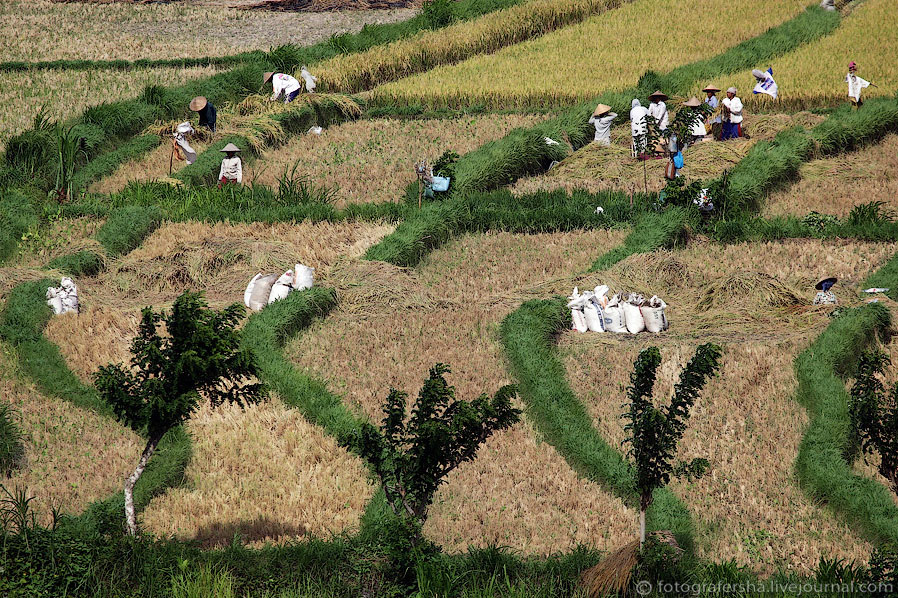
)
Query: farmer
[
  {"x": 231, "y": 168},
  {"x": 283, "y": 84},
  {"x": 658, "y": 109},
  {"x": 206, "y": 111},
  {"x": 714, "y": 103},
  {"x": 601, "y": 118},
  {"x": 697, "y": 130},
  {"x": 855, "y": 85},
  {"x": 638, "y": 127},
  {"x": 309, "y": 79},
  {"x": 732, "y": 115}
]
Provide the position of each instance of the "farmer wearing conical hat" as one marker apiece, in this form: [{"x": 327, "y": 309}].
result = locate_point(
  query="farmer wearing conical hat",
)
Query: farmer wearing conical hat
[
  {"x": 714, "y": 103},
  {"x": 658, "y": 109},
  {"x": 231, "y": 167},
  {"x": 206, "y": 111},
  {"x": 855, "y": 85},
  {"x": 732, "y": 115},
  {"x": 698, "y": 130},
  {"x": 282, "y": 84},
  {"x": 601, "y": 118}
]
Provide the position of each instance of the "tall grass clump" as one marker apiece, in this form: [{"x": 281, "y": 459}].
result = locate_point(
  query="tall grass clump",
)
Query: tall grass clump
[
  {"x": 528, "y": 338},
  {"x": 81, "y": 263},
  {"x": 17, "y": 216},
  {"x": 821, "y": 465},
  {"x": 847, "y": 129},
  {"x": 126, "y": 228},
  {"x": 12, "y": 451}
]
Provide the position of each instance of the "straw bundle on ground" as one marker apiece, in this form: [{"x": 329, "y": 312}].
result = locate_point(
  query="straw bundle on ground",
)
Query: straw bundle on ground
[
  {"x": 261, "y": 104},
  {"x": 749, "y": 288},
  {"x": 165, "y": 129},
  {"x": 612, "y": 575},
  {"x": 653, "y": 272},
  {"x": 370, "y": 288}
]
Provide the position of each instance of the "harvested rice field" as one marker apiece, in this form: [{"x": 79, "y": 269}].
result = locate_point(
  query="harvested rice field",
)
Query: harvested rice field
[
  {"x": 596, "y": 167},
  {"x": 154, "y": 166},
  {"x": 749, "y": 507},
  {"x": 159, "y": 30},
  {"x": 603, "y": 53},
  {"x": 835, "y": 185},
  {"x": 393, "y": 324},
  {"x": 73, "y": 457},
  {"x": 373, "y": 161}
]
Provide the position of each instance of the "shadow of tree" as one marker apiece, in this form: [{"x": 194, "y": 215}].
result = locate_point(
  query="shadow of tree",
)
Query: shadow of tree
[{"x": 217, "y": 535}]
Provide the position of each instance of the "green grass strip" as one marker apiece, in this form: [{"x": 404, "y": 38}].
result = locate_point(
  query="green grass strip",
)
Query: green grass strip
[
  {"x": 126, "y": 228},
  {"x": 12, "y": 451},
  {"x": 82, "y": 263},
  {"x": 528, "y": 337},
  {"x": 886, "y": 277},
  {"x": 17, "y": 216},
  {"x": 652, "y": 231},
  {"x": 16, "y": 66},
  {"x": 821, "y": 371},
  {"x": 106, "y": 164}
]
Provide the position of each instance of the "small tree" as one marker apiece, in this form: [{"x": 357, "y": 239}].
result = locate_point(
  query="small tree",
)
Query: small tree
[
  {"x": 411, "y": 458},
  {"x": 654, "y": 432},
  {"x": 874, "y": 416},
  {"x": 170, "y": 375}
]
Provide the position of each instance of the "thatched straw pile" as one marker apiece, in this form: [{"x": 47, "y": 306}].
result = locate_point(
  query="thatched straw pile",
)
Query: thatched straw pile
[
  {"x": 165, "y": 129},
  {"x": 371, "y": 288},
  {"x": 749, "y": 288},
  {"x": 613, "y": 574}
]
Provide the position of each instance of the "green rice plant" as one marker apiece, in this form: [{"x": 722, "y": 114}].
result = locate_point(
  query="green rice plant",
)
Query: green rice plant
[
  {"x": 205, "y": 582},
  {"x": 821, "y": 466},
  {"x": 107, "y": 163},
  {"x": 528, "y": 338},
  {"x": 847, "y": 129},
  {"x": 82, "y": 263},
  {"x": 68, "y": 144},
  {"x": 124, "y": 230},
  {"x": 17, "y": 216},
  {"x": 12, "y": 451},
  {"x": 294, "y": 188}
]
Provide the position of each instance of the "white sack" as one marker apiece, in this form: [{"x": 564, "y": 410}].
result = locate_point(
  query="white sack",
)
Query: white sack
[
  {"x": 614, "y": 316},
  {"x": 282, "y": 287},
  {"x": 593, "y": 316},
  {"x": 69, "y": 295},
  {"x": 258, "y": 298},
  {"x": 632, "y": 314},
  {"x": 249, "y": 289},
  {"x": 654, "y": 316},
  {"x": 303, "y": 277},
  {"x": 579, "y": 320},
  {"x": 54, "y": 299}
]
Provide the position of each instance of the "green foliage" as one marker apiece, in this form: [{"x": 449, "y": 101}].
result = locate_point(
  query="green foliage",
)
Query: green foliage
[
  {"x": 82, "y": 263},
  {"x": 847, "y": 129},
  {"x": 437, "y": 13},
  {"x": 17, "y": 216},
  {"x": 874, "y": 416},
  {"x": 528, "y": 337},
  {"x": 126, "y": 228},
  {"x": 821, "y": 464},
  {"x": 12, "y": 451},
  {"x": 445, "y": 164},
  {"x": 107, "y": 163},
  {"x": 411, "y": 457},
  {"x": 655, "y": 432},
  {"x": 203, "y": 583},
  {"x": 296, "y": 189},
  {"x": 170, "y": 374}
]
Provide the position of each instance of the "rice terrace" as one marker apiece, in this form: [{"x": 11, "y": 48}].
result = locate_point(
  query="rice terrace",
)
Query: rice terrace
[{"x": 448, "y": 298}]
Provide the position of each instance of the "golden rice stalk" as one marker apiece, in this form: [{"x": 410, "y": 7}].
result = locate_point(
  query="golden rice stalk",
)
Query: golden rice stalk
[
  {"x": 256, "y": 104},
  {"x": 166, "y": 129},
  {"x": 612, "y": 575},
  {"x": 750, "y": 288}
]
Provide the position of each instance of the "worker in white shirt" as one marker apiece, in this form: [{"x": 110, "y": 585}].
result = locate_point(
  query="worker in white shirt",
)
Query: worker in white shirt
[
  {"x": 658, "y": 109},
  {"x": 601, "y": 118},
  {"x": 231, "y": 167},
  {"x": 855, "y": 85},
  {"x": 284, "y": 85},
  {"x": 732, "y": 115}
]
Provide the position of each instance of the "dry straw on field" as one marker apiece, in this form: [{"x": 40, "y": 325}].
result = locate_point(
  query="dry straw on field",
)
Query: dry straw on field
[
  {"x": 129, "y": 31},
  {"x": 64, "y": 94},
  {"x": 73, "y": 456},
  {"x": 835, "y": 185},
  {"x": 596, "y": 167},
  {"x": 97, "y": 336},
  {"x": 749, "y": 507},
  {"x": 356, "y": 72},
  {"x": 814, "y": 74},
  {"x": 264, "y": 473},
  {"x": 518, "y": 492},
  {"x": 152, "y": 166},
  {"x": 605, "y": 52},
  {"x": 373, "y": 160}
]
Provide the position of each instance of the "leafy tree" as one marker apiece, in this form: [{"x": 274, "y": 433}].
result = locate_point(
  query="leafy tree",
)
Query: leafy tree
[
  {"x": 412, "y": 457},
  {"x": 654, "y": 432},
  {"x": 684, "y": 120},
  {"x": 170, "y": 375},
  {"x": 874, "y": 416}
]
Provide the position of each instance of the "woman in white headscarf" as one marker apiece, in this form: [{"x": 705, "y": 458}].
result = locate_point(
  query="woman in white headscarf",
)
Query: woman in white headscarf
[{"x": 638, "y": 126}]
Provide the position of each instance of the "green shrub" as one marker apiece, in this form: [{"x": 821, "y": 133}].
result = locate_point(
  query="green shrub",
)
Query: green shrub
[
  {"x": 126, "y": 228},
  {"x": 12, "y": 451},
  {"x": 82, "y": 263}
]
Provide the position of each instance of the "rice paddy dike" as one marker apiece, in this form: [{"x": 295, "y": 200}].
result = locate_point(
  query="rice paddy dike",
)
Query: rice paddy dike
[{"x": 268, "y": 501}]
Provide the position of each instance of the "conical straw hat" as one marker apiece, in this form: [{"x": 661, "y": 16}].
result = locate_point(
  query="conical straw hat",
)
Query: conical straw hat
[
  {"x": 230, "y": 148},
  {"x": 601, "y": 109},
  {"x": 658, "y": 94},
  {"x": 267, "y": 76},
  {"x": 692, "y": 102},
  {"x": 711, "y": 88},
  {"x": 198, "y": 103}
]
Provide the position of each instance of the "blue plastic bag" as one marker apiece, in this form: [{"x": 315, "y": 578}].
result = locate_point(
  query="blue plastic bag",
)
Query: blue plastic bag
[
  {"x": 440, "y": 184},
  {"x": 678, "y": 160}
]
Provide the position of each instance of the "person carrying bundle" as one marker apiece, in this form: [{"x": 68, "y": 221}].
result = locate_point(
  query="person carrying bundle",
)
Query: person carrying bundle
[
  {"x": 732, "y": 115},
  {"x": 282, "y": 84},
  {"x": 855, "y": 85},
  {"x": 231, "y": 167},
  {"x": 712, "y": 101},
  {"x": 601, "y": 118},
  {"x": 206, "y": 112}
]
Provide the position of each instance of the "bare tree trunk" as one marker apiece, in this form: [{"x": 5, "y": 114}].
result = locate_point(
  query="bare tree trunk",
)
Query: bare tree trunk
[
  {"x": 130, "y": 517},
  {"x": 641, "y": 527}
]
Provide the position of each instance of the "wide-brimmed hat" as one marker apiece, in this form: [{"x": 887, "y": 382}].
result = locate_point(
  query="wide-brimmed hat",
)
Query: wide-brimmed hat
[
  {"x": 230, "y": 148},
  {"x": 711, "y": 88},
  {"x": 826, "y": 282},
  {"x": 198, "y": 103},
  {"x": 692, "y": 102},
  {"x": 267, "y": 76},
  {"x": 658, "y": 94},
  {"x": 731, "y": 90},
  {"x": 601, "y": 109}
]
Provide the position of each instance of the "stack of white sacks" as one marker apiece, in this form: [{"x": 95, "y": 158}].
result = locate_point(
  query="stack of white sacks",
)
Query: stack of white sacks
[
  {"x": 265, "y": 289},
  {"x": 64, "y": 298},
  {"x": 592, "y": 311}
]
